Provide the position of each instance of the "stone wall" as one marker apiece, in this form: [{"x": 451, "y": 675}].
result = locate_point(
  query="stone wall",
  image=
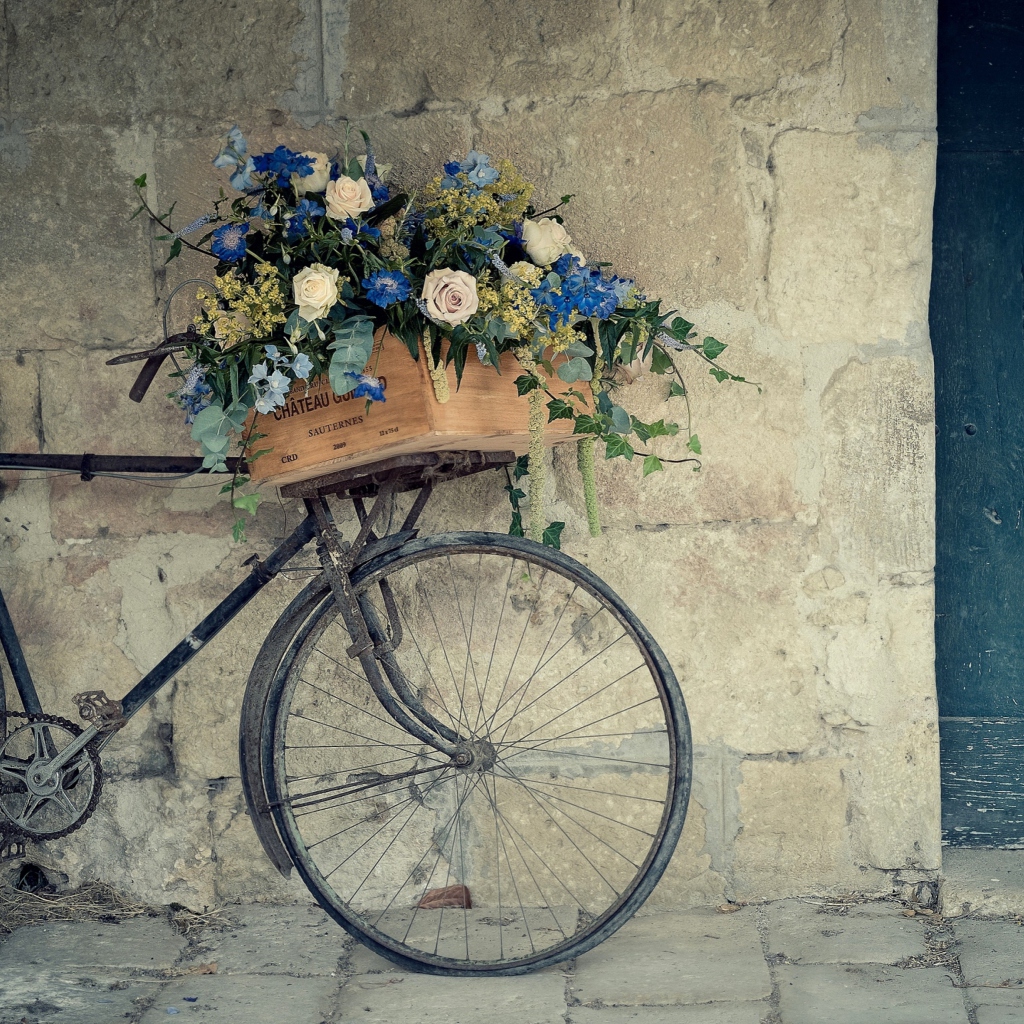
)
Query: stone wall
[{"x": 766, "y": 167}]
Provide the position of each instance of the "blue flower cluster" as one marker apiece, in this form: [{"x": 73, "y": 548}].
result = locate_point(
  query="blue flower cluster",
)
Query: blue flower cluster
[
  {"x": 283, "y": 162},
  {"x": 386, "y": 287},
  {"x": 578, "y": 289},
  {"x": 195, "y": 394},
  {"x": 367, "y": 386},
  {"x": 477, "y": 167},
  {"x": 298, "y": 222},
  {"x": 234, "y": 156},
  {"x": 228, "y": 242},
  {"x": 272, "y": 385}
]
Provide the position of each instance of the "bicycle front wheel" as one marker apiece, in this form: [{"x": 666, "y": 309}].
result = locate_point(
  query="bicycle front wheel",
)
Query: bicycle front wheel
[{"x": 575, "y": 734}]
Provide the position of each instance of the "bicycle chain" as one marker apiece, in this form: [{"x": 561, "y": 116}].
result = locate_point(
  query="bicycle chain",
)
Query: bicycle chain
[{"x": 11, "y": 831}]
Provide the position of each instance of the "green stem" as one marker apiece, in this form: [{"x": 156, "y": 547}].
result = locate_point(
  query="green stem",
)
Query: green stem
[
  {"x": 535, "y": 526},
  {"x": 585, "y": 461}
]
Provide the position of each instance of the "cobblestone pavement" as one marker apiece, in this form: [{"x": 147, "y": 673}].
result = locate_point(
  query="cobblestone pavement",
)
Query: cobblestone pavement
[{"x": 790, "y": 962}]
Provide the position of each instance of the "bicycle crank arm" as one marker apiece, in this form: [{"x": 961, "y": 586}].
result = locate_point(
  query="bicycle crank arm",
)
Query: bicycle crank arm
[{"x": 73, "y": 748}]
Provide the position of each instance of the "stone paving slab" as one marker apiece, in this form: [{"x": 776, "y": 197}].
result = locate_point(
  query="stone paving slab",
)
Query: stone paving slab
[
  {"x": 991, "y": 1014},
  {"x": 273, "y": 939},
  {"x": 868, "y": 994},
  {"x": 39, "y": 996},
  {"x": 866, "y": 934},
  {"x": 146, "y": 943},
  {"x": 991, "y": 952},
  {"x": 983, "y": 883},
  {"x": 426, "y": 999},
  {"x": 242, "y": 999},
  {"x": 705, "y": 1013},
  {"x": 694, "y": 957}
]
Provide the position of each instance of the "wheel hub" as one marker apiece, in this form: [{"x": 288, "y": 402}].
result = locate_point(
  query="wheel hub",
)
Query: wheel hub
[{"x": 477, "y": 755}]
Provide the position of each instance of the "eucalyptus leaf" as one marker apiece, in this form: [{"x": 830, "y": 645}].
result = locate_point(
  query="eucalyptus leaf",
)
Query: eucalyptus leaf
[
  {"x": 621, "y": 423},
  {"x": 578, "y": 348},
  {"x": 575, "y": 369}
]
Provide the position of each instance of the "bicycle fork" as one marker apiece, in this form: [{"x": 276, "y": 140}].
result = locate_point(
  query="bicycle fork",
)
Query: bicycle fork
[{"x": 371, "y": 645}]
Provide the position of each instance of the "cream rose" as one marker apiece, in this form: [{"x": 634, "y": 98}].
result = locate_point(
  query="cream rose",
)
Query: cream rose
[
  {"x": 315, "y": 289},
  {"x": 545, "y": 240},
  {"x": 450, "y": 295},
  {"x": 347, "y": 198},
  {"x": 317, "y": 181}
]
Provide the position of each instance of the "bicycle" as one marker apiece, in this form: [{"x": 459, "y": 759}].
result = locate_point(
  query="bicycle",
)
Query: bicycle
[{"x": 471, "y": 750}]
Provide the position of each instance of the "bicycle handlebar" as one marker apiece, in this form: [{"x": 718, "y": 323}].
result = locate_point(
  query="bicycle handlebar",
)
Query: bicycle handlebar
[{"x": 154, "y": 360}]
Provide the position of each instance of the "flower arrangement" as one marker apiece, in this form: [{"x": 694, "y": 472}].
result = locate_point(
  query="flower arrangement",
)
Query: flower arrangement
[{"x": 316, "y": 254}]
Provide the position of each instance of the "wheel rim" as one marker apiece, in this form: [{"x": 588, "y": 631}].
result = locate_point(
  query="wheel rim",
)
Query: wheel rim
[{"x": 563, "y": 801}]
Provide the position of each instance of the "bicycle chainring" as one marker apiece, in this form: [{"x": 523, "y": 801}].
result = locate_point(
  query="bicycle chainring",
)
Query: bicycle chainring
[{"x": 23, "y": 752}]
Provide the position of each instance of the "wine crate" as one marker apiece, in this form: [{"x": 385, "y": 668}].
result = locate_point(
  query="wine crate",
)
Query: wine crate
[{"x": 319, "y": 432}]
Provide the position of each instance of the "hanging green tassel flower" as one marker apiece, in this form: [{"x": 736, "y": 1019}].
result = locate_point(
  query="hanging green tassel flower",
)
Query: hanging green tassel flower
[
  {"x": 538, "y": 466},
  {"x": 585, "y": 461}
]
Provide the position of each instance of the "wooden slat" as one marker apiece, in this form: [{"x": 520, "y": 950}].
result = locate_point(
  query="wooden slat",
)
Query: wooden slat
[{"x": 982, "y": 781}]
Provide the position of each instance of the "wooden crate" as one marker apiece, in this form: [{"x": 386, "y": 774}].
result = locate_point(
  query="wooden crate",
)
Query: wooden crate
[{"x": 319, "y": 432}]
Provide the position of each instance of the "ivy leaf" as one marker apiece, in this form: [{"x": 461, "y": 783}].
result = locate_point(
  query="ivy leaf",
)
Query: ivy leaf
[
  {"x": 676, "y": 390},
  {"x": 526, "y": 383},
  {"x": 718, "y": 374},
  {"x": 238, "y": 531},
  {"x": 694, "y": 444},
  {"x": 659, "y": 428},
  {"x": 559, "y": 409},
  {"x": 552, "y": 536},
  {"x": 641, "y": 431},
  {"x": 615, "y": 445},
  {"x": 660, "y": 361},
  {"x": 652, "y": 464},
  {"x": 521, "y": 468},
  {"x": 516, "y": 528},
  {"x": 586, "y": 424},
  {"x": 713, "y": 348},
  {"x": 175, "y": 251},
  {"x": 621, "y": 423},
  {"x": 680, "y": 328},
  {"x": 575, "y": 369},
  {"x": 247, "y": 502},
  {"x": 140, "y": 181}
]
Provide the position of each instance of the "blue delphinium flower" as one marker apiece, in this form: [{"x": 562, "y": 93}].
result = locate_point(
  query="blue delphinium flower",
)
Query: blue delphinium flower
[
  {"x": 298, "y": 222},
  {"x": 621, "y": 286},
  {"x": 195, "y": 394},
  {"x": 233, "y": 156},
  {"x": 358, "y": 229},
  {"x": 228, "y": 242},
  {"x": 347, "y": 234},
  {"x": 588, "y": 292},
  {"x": 368, "y": 387},
  {"x": 302, "y": 366},
  {"x": 477, "y": 167},
  {"x": 283, "y": 162},
  {"x": 386, "y": 287},
  {"x": 545, "y": 295},
  {"x": 567, "y": 263},
  {"x": 452, "y": 167}
]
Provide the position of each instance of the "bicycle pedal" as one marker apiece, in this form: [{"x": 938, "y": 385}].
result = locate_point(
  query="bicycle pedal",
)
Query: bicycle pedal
[{"x": 96, "y": 708}]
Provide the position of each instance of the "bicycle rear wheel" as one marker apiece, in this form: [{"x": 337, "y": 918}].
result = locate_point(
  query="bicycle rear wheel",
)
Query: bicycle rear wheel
[{"x": 579, "y": 751}]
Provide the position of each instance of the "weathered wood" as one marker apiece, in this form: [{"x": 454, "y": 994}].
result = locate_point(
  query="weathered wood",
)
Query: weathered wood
[
  {"x": 982, "y": 781},
  {"x": 318, "y": 432}
]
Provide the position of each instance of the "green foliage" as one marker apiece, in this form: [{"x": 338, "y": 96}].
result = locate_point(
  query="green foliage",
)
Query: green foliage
[
  {"x": 352, "y": 347},
  {"x": 652, "y": 464},
  {"x": 552, "y": 536}
]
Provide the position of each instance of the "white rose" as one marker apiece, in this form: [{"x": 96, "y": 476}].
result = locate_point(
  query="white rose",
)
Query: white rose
[
  {"x": 347, "y": 198},
  {"x": 545, "y": 240},
  {"x": 317, "y": 181},
  {"x": 450, "y": 295},
  {"x": 315, "y": 289}
]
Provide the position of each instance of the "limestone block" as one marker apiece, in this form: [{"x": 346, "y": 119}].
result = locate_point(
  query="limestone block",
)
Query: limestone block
[
  {"x": 889, "y": 59},
  {"x": 878, "y": 464},
  {"x": 745, "y": 47},
  {"x": 657, "y": 186},
  {"x": 795, "y": 834},
  {"x": 497, "y": 49},
  {"x": 101, "y": 64},
  {"x": 722, "y": 608},
  {"x": 20, "y": 424},
  {"x": 74, "y": 269},
  {"x": 852, "y": 238}
]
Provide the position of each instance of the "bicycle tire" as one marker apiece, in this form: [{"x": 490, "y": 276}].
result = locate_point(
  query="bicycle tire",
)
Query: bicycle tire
[{"x": 633, "y": 814}]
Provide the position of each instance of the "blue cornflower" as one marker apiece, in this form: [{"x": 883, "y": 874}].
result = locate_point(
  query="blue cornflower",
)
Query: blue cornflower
[
  {"x": 228, "y": 242},
  {"x": 386, "y": 287},
  {"x": 368, "y": 387},
  {"x": 302, "y": 366},
  {"x": 298, "y": 222},
  {"x": 477, "y": 167},
  {"x": 283, "y": 162},
  {"x": 233, "y": 155}
]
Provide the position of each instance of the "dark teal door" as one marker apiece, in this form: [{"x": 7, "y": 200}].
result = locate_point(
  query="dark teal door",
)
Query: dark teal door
[{"x": 977, "y": 329}]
